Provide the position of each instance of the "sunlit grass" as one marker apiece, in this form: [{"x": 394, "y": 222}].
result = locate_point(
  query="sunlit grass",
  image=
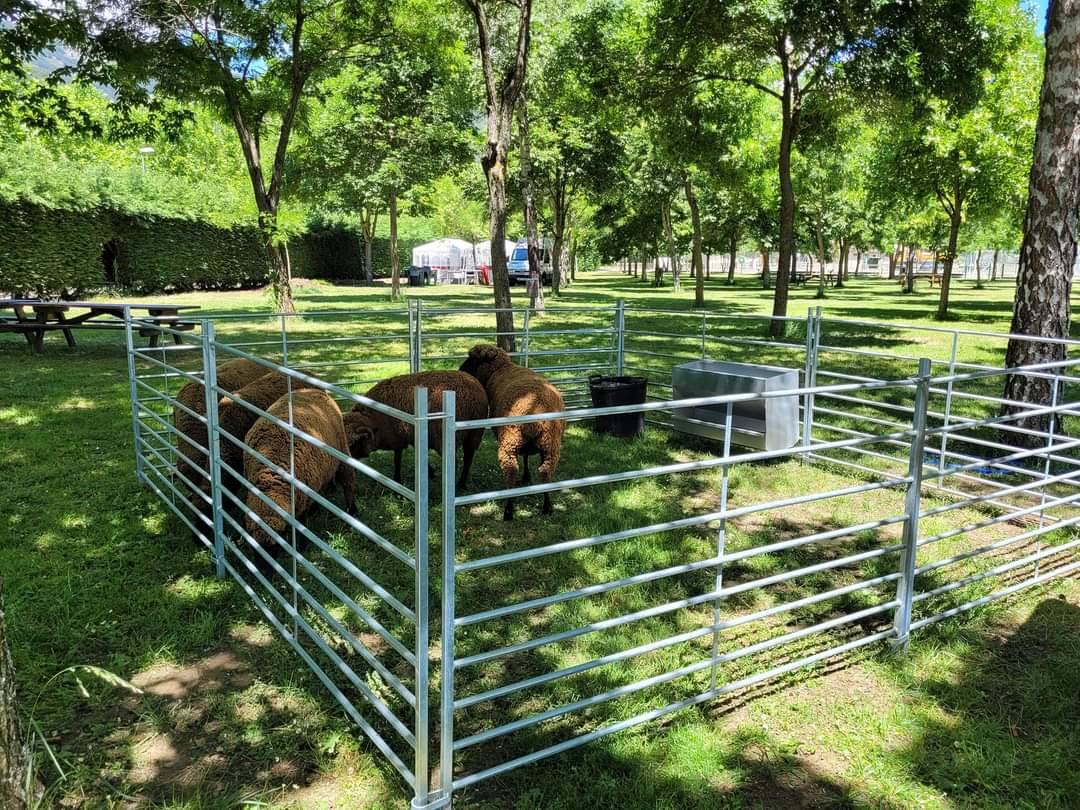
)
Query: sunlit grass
[{"x": 95, "y": 570}]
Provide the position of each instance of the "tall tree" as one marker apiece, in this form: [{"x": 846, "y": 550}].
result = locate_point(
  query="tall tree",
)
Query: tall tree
[
  {"x": 791, "y": 49},
  {"x": 254, "y": 60},
  {"x": 1048, "y": 252},
  {"x": 386, "y": 131},
  {"x": 503, "y": 65}
]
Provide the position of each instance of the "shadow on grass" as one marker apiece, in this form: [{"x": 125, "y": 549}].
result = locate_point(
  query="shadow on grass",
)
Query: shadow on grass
[{"x": 1009, "y": 725}]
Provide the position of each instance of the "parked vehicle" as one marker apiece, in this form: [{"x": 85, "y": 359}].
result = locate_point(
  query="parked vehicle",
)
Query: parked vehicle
[{"x": 518, "y": 264}]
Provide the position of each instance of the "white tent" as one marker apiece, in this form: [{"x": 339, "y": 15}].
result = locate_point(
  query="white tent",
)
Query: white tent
[
  {"x": 483, "y": 252},
  {"x": 444, "y": 254}
]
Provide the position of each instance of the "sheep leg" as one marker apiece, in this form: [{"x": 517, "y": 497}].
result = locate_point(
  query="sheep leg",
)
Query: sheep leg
[
  {"x": 346, "y": 479},
  {"x": 469, "y": 447},
  {"x": 526, "y": 478},
  {"x": 508, "y": 463},
  {"x": 397, "y": 465},
  {"x": 546, "y": 472}
]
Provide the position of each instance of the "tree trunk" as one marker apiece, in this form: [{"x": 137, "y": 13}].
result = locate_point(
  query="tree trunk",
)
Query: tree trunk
[
  {"x": 894, "y": 257},
  {"x": 994, "y": 265},
  {"x": 708, "y": 271},
  {"x": 395, "y": 268},
  {"x": 502, "y": 88},
  {"x": 821, "y": 254},
  {"x": 733, "y": 256},
  {"x": 765, "y": 269},
  {"x": 695, "y": 253},
  {"x": 14, "y": 751},
  {"x": 1048, "y": 251},
  {"x": 790, "y": 104},
  {"x": 573, "y": 257},
  {"x": 909, "y": 280},
  {"x": 978, "y": 270},
  {"x": 644, "y": 262},
  {"x": 955, "y": 211},
  {"x": 858, "y": 260},
  {"x": 368, "y": 220},
  {"x": 536, "y": 281},
  {"x": 669, "y": 237},
  {"x": 841, "y": 261}
]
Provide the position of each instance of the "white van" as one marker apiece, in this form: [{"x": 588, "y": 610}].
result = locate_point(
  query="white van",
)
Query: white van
[{"x": 518, "y": 264}]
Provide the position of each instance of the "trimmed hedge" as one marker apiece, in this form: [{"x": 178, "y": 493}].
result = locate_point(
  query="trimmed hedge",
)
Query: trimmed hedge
[
  {"x": 48, "y": 252},
  {"x": 337, "y": 254}
]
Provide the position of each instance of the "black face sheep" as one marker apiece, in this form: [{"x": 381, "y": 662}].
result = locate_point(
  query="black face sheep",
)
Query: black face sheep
[
  {"x": 370, "y": 430},
  {"x": 316, "y": 413},
  {"x": 231, "y": 375},
  {"x": 516, "y": 391}
]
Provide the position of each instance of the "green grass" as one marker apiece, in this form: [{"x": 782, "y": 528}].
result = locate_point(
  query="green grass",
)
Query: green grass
[{"x": 980, "y": 713}]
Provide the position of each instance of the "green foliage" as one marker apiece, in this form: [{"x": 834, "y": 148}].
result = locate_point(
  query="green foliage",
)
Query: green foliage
[
  {"x": 336, "y": 253},
  {"x": 50, "y": 252}
]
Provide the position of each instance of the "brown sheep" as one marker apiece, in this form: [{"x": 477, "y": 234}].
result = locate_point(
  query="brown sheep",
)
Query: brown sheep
[
  {"x": 370, "y": 430},
  {"x": 236, "y": 420},
  {"x": 516, "y": 391},
  {"x": 316, "y": 413},
  {"x": 231, "y": 376}
]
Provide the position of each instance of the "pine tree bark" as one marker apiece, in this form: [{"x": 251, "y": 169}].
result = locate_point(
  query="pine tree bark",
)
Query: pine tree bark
[{"x": 1048, "y": 250}]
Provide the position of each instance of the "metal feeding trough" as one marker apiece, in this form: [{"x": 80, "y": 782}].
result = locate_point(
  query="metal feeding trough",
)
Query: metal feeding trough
[{"x": 764, "y": 424}]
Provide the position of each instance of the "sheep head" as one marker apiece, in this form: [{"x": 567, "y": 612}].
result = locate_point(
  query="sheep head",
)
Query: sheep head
[
  {"x": 359, "y": 433},
  {"x": 484, "y": 360}
]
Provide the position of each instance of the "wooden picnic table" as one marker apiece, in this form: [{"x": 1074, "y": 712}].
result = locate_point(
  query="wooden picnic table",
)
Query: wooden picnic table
[{"x": 33, "y": 318}]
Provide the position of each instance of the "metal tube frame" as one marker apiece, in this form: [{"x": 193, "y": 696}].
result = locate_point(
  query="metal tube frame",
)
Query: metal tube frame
[{"x": 147, "y": 403}]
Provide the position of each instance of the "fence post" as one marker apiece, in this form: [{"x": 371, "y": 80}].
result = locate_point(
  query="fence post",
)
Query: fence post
[
  {"x": 813, "y": 320},
  {"x": 213, "y": 439},
  {"x": 620, "y": 338},
  {"x": 421, "y": 772},
  {"x": 721, "y": 543},
  {"x": 410, "y": 302},
  {"x": 134, "y": 396},
  {"x": 948, "y": 407},
  {"x": 419, "y": 335},
  {"x": 905, "y": 587},
  {"x": 1051, "y": 430},
  {"x": 446, "y": 699},
  {"x": 525, "y": 336}
]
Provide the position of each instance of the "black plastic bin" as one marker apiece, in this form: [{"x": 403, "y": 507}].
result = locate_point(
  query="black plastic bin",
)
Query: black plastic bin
[{"x": 609, "y": 390}]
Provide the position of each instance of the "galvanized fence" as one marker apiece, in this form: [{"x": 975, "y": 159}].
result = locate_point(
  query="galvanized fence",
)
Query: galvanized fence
[{"x": 911, "y": 501}]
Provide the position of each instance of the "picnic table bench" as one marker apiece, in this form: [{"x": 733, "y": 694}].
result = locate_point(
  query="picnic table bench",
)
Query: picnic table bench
[{"x": 33, "y": 318}]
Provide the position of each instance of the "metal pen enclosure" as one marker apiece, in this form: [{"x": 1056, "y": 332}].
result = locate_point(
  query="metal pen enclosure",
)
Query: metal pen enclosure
[{"x": 937, "y": 514}]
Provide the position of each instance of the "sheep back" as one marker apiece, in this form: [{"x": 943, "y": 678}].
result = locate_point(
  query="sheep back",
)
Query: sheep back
[
  {"x": 231, "y": 375},
  {"x": 236, "y": 420},
  {"x": 389, "y": 433},
  {"x": 316, "y": 413}
]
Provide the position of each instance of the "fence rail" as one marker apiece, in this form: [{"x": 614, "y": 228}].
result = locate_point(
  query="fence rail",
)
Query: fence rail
[{"x": 934, "y": 510}]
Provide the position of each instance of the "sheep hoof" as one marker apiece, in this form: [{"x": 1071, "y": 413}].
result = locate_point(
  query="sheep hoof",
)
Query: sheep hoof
[
  {"x": 508, "y": 512},
  {"x": 548, "y": 508}
]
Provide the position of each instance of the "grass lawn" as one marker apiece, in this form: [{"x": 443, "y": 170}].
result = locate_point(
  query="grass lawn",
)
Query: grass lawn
[{"x": 981, "y": 712}]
